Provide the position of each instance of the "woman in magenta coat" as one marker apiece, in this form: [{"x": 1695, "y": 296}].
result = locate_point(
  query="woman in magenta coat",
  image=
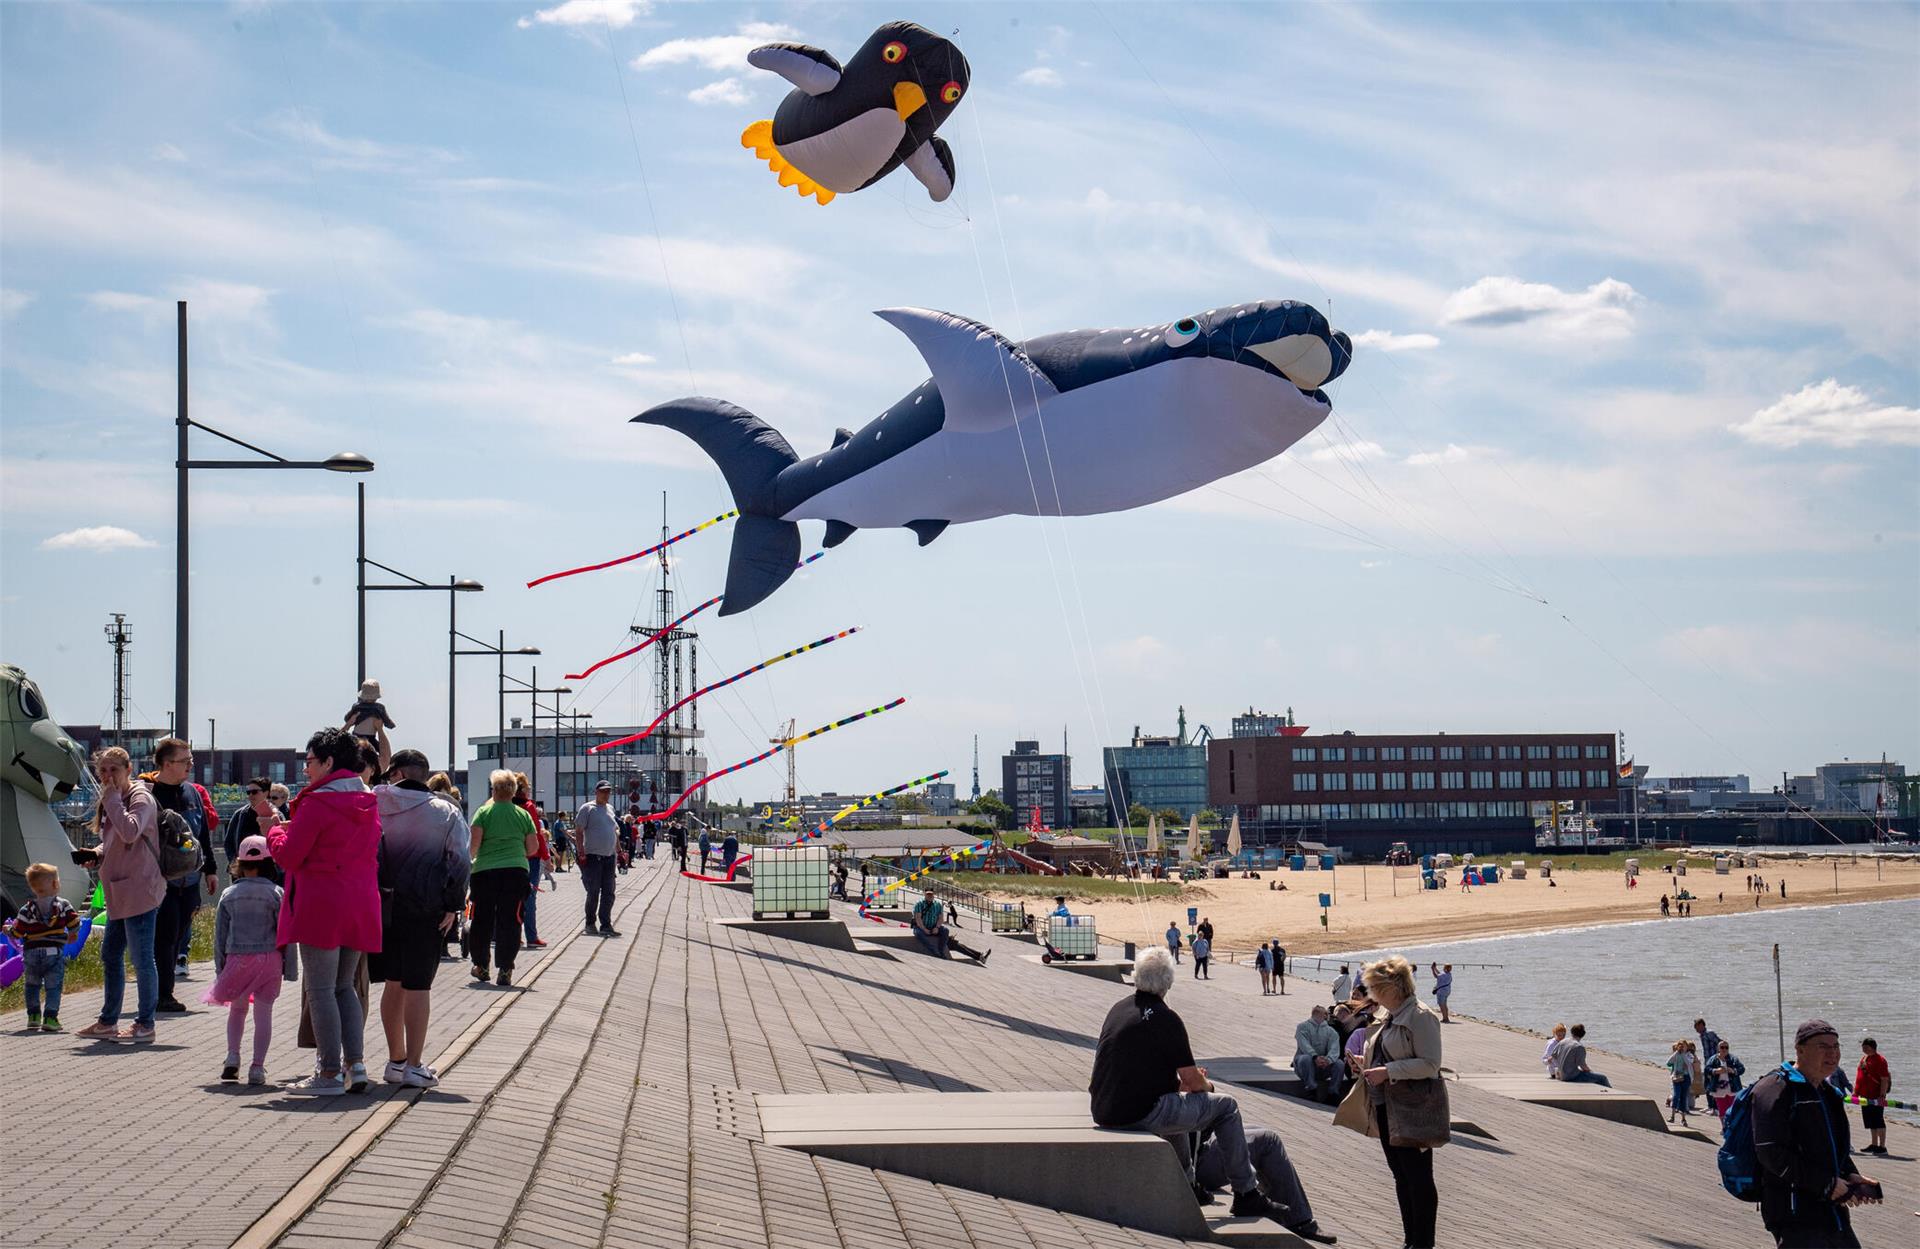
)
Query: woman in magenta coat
[{"x": 329, "y": 851}]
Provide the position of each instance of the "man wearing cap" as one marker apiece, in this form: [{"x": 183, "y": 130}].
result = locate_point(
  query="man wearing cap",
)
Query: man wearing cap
[
  {"x": 425, "y": 848},
  {"x": 1807, "y": 1179},
  {"x": 596, "y": 835}
]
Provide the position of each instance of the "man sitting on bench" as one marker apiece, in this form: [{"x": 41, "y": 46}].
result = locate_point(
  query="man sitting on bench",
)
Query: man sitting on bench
[
  {"x": 1144, "y": 1078},
  {"x": 935, "y": 937},
  {"x": 1316, "y": 1056}
]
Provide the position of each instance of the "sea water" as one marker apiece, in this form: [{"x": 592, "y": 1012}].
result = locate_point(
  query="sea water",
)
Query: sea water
[{"x": 1639, "y": 986}]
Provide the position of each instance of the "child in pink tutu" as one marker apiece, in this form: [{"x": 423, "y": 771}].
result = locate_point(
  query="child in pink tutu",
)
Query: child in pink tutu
[{"x": 248, "y": 962}]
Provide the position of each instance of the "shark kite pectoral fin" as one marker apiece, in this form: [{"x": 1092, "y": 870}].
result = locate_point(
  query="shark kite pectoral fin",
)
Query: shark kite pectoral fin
[
  {"x": 927, "y": 530},
  {"x": 986, "y": 382},
  {"x": 813, "y": 70},
  {"x": 838, "y": 531},
  {"x": 932, "y": 164}
]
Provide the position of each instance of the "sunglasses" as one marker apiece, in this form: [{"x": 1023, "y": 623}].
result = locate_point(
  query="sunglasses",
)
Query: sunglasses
[{"x": 255, "y": 793}]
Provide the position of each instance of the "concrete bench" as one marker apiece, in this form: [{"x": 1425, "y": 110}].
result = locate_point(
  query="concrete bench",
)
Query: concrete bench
[
  {"x": 1596, "y": 1100},
  {"x": 1038, "y": 1148},
  {"x": 831, "y": 933},
  {"x": 1114, "y": 969},
  {"x": 1275, "y": 1075}
]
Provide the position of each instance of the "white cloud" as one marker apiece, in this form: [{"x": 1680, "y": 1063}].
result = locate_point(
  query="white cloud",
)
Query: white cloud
[
  {"x": 1829, "y": 414},
  {"x": 1603, "y": 310},
  {"x": 334, "y": 151},
  {"x": 1451, "y": 454},
  {"x": 1387, "y": 340},
  {"x": 1040, "y": 76},
  {"x": 633, "y": 359},
  {"x": 12, "y": 301},
  {"x": 168, "y": 152},
  {"x": 1802, "y": 647},
  {"x": 1362, "y": 449},
  {"x": 1373, "y": 563},
  {"x": 618, "y": 14},
  {"x": 726, "y": 91},
  {"x": 716, "y": 52},
  {"x": 229, "y": 303},
  {"x": 1134, "y": 654},
  {"x": 96, "y": 538}
]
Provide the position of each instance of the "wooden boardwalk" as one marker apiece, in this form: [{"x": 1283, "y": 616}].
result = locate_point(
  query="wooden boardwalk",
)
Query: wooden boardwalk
[{"x": 608, "y": 1102}]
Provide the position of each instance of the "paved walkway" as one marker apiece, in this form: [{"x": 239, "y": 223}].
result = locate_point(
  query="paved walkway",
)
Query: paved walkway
[{"x": 607, "y": 1102}]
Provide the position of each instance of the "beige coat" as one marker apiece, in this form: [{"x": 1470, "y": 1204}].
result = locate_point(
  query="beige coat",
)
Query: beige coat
[
  {"x": 130, "y": 852},
  {"x": 1407, "y": 1044}
]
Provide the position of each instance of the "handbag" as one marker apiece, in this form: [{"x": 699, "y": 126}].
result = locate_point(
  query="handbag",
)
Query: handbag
[
  {"x": 1354, "y": 1108},
  {"x": 1417, "y": 1113}
]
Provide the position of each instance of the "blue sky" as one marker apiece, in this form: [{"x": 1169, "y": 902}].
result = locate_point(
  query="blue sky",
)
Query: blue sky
[{"x": 1630, "y": 442}]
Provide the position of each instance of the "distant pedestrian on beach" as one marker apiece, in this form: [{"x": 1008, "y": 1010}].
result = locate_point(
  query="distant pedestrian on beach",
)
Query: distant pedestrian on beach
[
  {"x": 1680, "y": 1069},
  {"x": 1664, "y": 907},
  {"x": 1573, "y": 1060},
  {"x": 1173, "y": 941},
  {"x": 1696, "y": 1076},
  {"x": 1279, "y": 967},
  {"x": 1263, "y": 963},
  {"x": 1724, "y": 1073},
  {"x": 1202, "y": 951},
  {"x": 1442, "y": 989},
  {"x": 1783, "y": 889},
  {"x": 1343, "y": 984},
  {"x": 1872, "y": 1081},
  {"x": 1801, "y": 1142},
  {"x": 1205, "y": 929}
]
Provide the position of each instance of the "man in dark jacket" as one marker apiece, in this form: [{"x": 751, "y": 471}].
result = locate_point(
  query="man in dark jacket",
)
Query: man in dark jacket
[
  {"x": 1807, "y": 1179},
  {"x": 255, "y": 819},
  {"x": 174, "y": 790}
]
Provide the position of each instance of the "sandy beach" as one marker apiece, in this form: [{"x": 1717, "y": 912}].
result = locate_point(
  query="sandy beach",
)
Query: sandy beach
[{"x": 1372, "y": 909}]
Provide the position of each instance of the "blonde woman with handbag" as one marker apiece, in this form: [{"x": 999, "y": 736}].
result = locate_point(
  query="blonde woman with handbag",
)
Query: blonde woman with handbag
[{"x": 1398, "y": 1095}]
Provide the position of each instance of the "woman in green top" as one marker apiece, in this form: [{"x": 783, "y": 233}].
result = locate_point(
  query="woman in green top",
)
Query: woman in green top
[{"x": 503, "y": 840}]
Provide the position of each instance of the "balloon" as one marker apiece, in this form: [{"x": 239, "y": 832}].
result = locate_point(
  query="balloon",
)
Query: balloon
[
  {"x": 72, "y": 948},
  {"x": 7, "y": 948},
  {"x": 1070, "y": 424},
  {"x": 11, "y": 970},
  {"x": 844, "y": 129}
]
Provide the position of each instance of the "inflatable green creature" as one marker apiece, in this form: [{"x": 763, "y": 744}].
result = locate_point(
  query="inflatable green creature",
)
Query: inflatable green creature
[{"x": 38, "y": 764}]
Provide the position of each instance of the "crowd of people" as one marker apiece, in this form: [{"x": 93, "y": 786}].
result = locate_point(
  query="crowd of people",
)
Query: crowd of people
[{"x": 364, "y": 877}]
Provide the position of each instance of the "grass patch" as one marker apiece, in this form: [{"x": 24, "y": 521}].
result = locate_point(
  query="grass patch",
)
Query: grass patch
[
  {"x": 1076, "y": 887},
  {"x": 86, "y": 971}
]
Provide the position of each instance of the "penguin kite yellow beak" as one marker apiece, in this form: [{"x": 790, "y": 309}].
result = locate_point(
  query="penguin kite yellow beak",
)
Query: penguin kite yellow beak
[{"x": 908, "y": 99}]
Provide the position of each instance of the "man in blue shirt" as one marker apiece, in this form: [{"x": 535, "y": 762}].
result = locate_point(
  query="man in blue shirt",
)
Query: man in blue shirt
[
  {"x": 934, "y": 936},
  {"x": 1173, "y": 941}
]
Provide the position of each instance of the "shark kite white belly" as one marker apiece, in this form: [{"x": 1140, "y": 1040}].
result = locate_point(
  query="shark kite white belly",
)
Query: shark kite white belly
[{"x": 1069, "y": 424}]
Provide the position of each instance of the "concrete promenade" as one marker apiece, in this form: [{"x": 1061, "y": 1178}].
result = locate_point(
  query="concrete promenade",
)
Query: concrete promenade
[{"x": 607, "y": 1101}]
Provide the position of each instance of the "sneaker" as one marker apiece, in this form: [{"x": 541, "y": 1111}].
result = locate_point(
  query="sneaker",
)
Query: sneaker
[
  {"x": 357, "y": 1078},
  {"x": 1254, "y": 1204},
  {"x": 396, "y": 1073},
  {"x": 609, "y": 932},
  {"x": 170, "y": 1006},
  {"x": 256, "y": 1075},
  {"x": 99, "y": 1032},
  {"x": 504, "y": 979},
  {"x": 536, "y": 944},
  {"x": 33, "y": 1021},
  {"x": 1203, "y": 1195},
  {"x": 591, "y": 931},
  {"x": 317, "y": 1085},
  {"x": 231, "y": 1071},
  {"x": 1310, "y": 1230},
  {"x": 985, "y": 955},
  {"x": 138, "y": 1034},
  {"x": 480, "y": 973},
  {"x": 50, "y": 1023},
  {"x": 180, "y": 969},
  {"x": 421, "y": 1078}
]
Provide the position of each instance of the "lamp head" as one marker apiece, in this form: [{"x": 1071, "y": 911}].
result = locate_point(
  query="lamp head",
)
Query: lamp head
[
  {"x": 466, "y": 584},
  {"x": 528, "y": 650},
  {"x": 347, "y": 462}
]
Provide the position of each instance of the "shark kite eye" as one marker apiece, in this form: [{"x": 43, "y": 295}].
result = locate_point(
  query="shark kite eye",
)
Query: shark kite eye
[
  {"x": 30, "y": 701},
  {"x": 950, "y": 94},
  {"x": 894, "y": 53},
  {"x": 1182, "y": 332}
]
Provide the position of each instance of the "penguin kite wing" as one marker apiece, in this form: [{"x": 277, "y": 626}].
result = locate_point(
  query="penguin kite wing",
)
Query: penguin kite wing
[
  {"x": 1129, "y": 417},
  {"x": 842, "y": 129}
]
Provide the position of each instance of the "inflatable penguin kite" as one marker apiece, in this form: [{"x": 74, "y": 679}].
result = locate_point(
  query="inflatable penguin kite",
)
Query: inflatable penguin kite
[
  {"x": 844, "y": 129},
  {"x": 1123, "y": 418}
]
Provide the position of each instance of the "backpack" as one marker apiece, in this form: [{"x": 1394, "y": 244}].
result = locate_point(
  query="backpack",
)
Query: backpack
[
  {"x": 178, "y": 849},
  {"x": 1739, "y": 1164}
]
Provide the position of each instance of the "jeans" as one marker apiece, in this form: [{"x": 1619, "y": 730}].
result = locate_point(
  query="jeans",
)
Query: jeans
[
  {"x": 173, "y": 920},
  {"x": 1587, "y": 1077},
  {"x": 135, "y": 932},
  {"x": 935, "y": 942},
  {"x": 1680, "y": 1100},
  {"x": 1412, "y": 1169},
  {"x": 533, "y": 896},
  {"x": 1270, "y": 1163},
  {"x": 1174, "y": 950},
  {"x": 596, "y": 873},
  {"x": 497, "y": 895},
  {"x": 46, "y": 971},
  {"x": 1322, "y": 1080},
  {"x": 339, "y": 1027},
  {"x": 1177, "y": 1114},
  {"x": 1200, "y": 967}
]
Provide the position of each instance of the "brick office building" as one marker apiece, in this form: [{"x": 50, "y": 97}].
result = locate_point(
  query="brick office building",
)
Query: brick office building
[{"x": 1477, "y": 792}]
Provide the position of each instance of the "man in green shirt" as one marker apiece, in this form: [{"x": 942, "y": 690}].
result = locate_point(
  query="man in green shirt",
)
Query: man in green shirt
[{"x": 935, "y": 937}]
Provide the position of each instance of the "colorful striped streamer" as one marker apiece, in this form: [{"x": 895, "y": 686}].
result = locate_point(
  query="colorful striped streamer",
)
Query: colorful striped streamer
[
  {"x": 708, "y": 689},
  {"x": 628, "y": 559},
  {"x": 866, "y": 902},
  {"x": 711, "y": 777},
  {"x": 581, "y": 676},
  {"x": 861, "y": 805}
]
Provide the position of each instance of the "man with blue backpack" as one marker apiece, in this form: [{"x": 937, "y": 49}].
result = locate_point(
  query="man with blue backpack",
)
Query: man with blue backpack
[{"x": 1786, "y": 1147}]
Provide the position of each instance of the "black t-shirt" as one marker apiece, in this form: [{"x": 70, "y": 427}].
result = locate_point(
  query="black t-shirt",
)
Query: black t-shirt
[{"x": 1142, "y": 1044}]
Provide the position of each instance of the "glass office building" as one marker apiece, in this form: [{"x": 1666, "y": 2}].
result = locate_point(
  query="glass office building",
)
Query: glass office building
[{"x": 1158, "y": 773}]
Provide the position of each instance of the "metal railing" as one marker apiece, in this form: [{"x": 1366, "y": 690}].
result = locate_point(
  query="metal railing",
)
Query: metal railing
[{"x": 875, "y": 874}]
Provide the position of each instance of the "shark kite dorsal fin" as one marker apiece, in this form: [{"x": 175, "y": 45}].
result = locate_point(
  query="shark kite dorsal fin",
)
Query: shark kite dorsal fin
[{"x": 986, "y": 382}]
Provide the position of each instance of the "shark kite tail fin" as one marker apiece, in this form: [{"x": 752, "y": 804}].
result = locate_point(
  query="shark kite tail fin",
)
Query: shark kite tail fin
[{"x": 750, "y": 454}]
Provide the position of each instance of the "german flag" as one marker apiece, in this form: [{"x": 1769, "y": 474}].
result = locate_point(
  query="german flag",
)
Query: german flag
[{"x": 1625, "y": 770}]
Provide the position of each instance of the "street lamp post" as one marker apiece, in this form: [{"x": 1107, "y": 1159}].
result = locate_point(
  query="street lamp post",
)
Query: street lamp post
[
  {"x": 340, "y": 462},
  {"x": 501, "y": 652},
  {"x": 533, "y": 689}
]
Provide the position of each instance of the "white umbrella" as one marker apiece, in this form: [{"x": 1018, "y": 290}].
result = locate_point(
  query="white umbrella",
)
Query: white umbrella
[
  {"x": 1233, "y": 836},
  {"x": 1193, "y": 836},
  {"x": 1153, "y": 834}
]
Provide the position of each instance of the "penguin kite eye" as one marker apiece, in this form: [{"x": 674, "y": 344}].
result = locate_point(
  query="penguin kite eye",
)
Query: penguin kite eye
[
  {"x": 894, "y": 53},
  {"x": 1182, "y": 332},
  {"x": 950, "y": 94}
]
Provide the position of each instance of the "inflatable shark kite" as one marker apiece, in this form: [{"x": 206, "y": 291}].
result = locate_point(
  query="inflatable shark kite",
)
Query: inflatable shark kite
[
  {"x": 1069, "y": 424},
  {"x": 39, "y": 764}
]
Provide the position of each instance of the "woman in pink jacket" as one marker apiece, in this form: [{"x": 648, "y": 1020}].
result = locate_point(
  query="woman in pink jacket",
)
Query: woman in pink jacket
[
  {"x": 129, "y": 861},
  {"x": 329, "y": 851}
]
